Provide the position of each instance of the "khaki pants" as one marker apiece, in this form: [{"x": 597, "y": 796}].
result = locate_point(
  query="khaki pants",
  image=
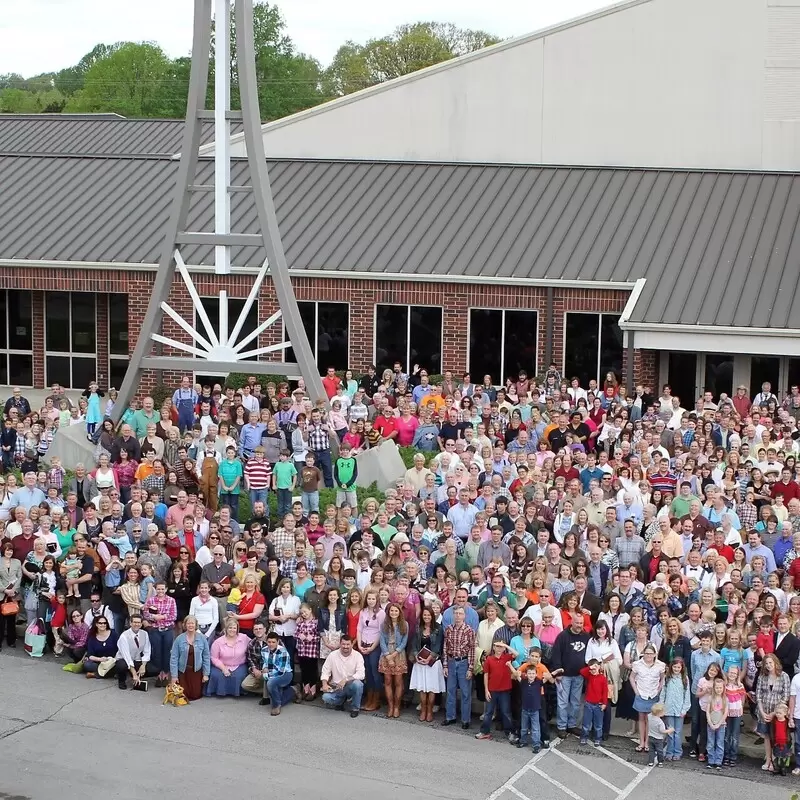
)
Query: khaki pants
[{"x": 253, "y": 685}]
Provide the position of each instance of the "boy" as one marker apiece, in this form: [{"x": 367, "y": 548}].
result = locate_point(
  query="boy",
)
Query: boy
[
  {"x": 345, "y": 472},
  {"x": 781, "y": 739},
  {"x": 364, "y": 576},
  {"x": 234, "y": 597},
  {"x": 310, "y": 479},
  {"x": 55, "y": 476},
  {"x": 284, "y": 479},
  {"x": 765, "y": 641},
  {"x": 230, "y": 475},
  {"x": 531, "y": 689},
  {"x": 657, "y": 732},
  {"x": 497, "y": 683},
  {"x": 596, "y": 701},
  {"x": 257, "y": 477}
]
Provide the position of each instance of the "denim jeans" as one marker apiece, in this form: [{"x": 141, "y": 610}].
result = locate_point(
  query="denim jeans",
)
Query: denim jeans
[
  {"x": 530, "y": 724},
  {"x": 697, "y": 739},
  {"x": 592, "y": 718},
  {"x": 502, "y": 702},
  {"x": 716, "y": 746},
  {"x": 351, "y": 691},
  {"x": 457, "y": 681},
  {"x": 280, "y": 689},
  {"x": 322, "y": 459},
  {"x": 160, "y": 646},
  {"x": 259, "y": 495},
  {"x": 733, "y": 729},
  {"x": 284, "y": 502},
  {"x": 674, "y": 747},
  {"x": 655, "y": 749},
  {"x": 232, "y": 500},
  {"x": 568, "y": 692},
  {"x": 373, "y": 679},
  {"x": 310, "y": 502}
]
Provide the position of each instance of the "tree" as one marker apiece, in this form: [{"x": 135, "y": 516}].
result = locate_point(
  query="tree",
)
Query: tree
[
  {"x": 408, "y": 49},
  {"x": 71, "y": 80}
]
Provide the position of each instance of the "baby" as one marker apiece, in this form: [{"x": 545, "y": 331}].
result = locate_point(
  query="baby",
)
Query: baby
[{"x": 73, "y": 565}]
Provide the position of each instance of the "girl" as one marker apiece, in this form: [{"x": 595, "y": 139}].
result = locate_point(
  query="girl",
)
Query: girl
[
  {"x": 735, "y": 694},
  {"x": 603, "y": 647},
  {"x": 562, "y": 582},
  {"x": 717, "y": 720},
  {"x": 427, "y": 676},
  {"x": 647, "y": 678},
  {"x": 353, "y": 613},
  {"x": 370, "y": 622},
  {"x": 733, "y": 654},
  {"x": 676, "y": 696},
  {"x": 393, "y": 664},
  {"x": 704, "y": 687},
  {"x": 307, "y": 642}
]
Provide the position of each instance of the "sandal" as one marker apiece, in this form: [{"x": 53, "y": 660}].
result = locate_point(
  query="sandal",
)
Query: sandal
[{"x": 640, "y": 749}]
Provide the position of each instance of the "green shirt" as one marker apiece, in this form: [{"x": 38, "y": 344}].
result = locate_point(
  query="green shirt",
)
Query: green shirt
[
  {"x": 284, "y": 472},
  {"x": 140, "y": 421},
  {"x": 680, "y": 506},
  {"x": 228, "y": 472}
]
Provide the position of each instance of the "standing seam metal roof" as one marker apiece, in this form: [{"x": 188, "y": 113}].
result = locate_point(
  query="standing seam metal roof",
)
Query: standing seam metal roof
[{"x": 716, "y": 248}]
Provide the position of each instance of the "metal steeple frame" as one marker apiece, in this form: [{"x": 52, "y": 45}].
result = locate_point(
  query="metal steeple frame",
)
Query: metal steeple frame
[{"x": 221, "y": 350}]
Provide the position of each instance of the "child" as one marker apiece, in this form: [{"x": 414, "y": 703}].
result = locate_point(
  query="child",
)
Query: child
[
  {"x": 147, "y": 585},
  {"x": 717, "y": 721},
  {"x": 234, "y": 597},
  {"x": 794, "y": 719},
  {"x": 497, "y": 683},
  {"x": 72, "y": 565},
  {"x": 704, "y": 687},
  {"x": 364, "y": 577},
  {"x": 284, "y": 479},
  {"x": 732, "y": 654},
  {"x": 596, "y": 701},
  {"x": 765, "y": 641},
  {"x": 657, "y": 732},
  {"x": 676, "y": 698},
  {"x": 94, "y": 415},
  {"x": 55, "y": 476},
  {"x": 781, "y": 739},
  {"x": 310, "y": 479},
  {"x": 531, "y": 695},
  {"x": 307, "y": 640},
  {"x": 345, "y": 472},
  {"x": 735, "y": 693},
  {"x": 63, "y": 414},
  {"x": 372, "y": 436}
]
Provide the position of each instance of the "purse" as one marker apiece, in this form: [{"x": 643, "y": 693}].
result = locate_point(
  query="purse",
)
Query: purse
[{"x": 9, "y": 608}]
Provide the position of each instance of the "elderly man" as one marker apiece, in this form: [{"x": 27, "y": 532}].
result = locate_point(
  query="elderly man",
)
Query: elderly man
[
  {"x": 535, "y": 611},
  {"x": 458, "y": 662},
  {"x": 629, "y": 547},
  {"x": 628, "y": 509},
  {"x": 462, "y": 515},
  {"x": 415, "y": 477},
  {"x": 219, "y": 574}
]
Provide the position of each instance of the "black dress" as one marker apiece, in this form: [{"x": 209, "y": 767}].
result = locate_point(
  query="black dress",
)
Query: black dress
[{"x": 181, "y": 592}]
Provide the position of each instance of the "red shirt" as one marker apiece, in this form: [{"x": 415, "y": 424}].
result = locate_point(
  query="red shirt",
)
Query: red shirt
[
  {"x": 790, "y": 491},
  {"x": 794, "y": 571},
  {"x": 726, "y": 551},
  {"x": 497, "y": 672},
  {"x": 384, "y": 425},
  {"x": 246, "y": 606},
  {"x": 596, "y": 687},
  {"x": 331, "y": 385},
  {"x": 780, "y": 732}
]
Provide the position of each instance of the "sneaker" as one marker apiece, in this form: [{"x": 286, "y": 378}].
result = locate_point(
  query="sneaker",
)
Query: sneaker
[
  {"x": 693, "y": 754},
  {"x": 584, "y": 741},
  {"x": 520, "y": 745},
  {"x": 796, "y": 771},
  {"x": 483, "y": 735},
  {"x": 709, "y": 766},
  {"x": 718, "y": 768},
  {"x": 701, "y": 758},
  {"x": 512, "y": 738},
  {"x": 546, "y": 744},
  {"x": 651, "y": 763},
  {"x": 597, "y": 743},
  {"x": 537, "y": 749},
  {"x": 659, "y": 764}
]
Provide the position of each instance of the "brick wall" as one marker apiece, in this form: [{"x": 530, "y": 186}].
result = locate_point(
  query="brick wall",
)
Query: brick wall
[{"x": 362, "y": 295}]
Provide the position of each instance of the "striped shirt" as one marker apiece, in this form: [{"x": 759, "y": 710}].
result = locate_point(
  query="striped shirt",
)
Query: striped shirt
[{"x": 258, "y": 473}]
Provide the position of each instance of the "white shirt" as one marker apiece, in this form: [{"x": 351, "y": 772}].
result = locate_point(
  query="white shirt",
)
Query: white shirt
[
  {"x": 250, "y": 403},
  {"x": 285, "y": 605},
  {"x": 535, "y": 613},
  {"x": 206, "y": 613},
  {"x": 602, "y": 650},
  {"x": 127, "y": 649},
  {"x": 203, "y": 556},
  {"x": 103, "y": 611}
]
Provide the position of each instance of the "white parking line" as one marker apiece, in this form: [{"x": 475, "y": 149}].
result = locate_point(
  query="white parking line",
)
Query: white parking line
[
  {"x": 635, "y": 782},
  {"x": 521, "y": 771},
  {"x": 588, "y": 772},
  {"x": 616, "y": 758},
  {"x": 567, "y": 791}
]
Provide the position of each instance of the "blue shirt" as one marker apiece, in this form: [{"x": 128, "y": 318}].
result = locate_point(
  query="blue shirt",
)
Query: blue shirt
[
  {"x": 588, "y": 475},
  {"x": 530, "y": 694},
  {"x": 420, "y": 392},
  {"x": 781, "y": 548},
  {"x": 762, "y": 550},
  {"x": 470, "y": 618},
  {"x": 463, "y": 518},
  {"x": 700, "y": 663},
  {"x": 28, "y": 498},
  {"x": 250, "y": 438}
]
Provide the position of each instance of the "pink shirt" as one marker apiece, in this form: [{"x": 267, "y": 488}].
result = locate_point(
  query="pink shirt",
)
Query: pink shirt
[
  {"x": 225, "y": 655},
  {"x": 406, "y": 430}
]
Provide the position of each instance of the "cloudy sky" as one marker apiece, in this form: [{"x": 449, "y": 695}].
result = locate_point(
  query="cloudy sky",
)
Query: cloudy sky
[{"x": 48, "y": 35}]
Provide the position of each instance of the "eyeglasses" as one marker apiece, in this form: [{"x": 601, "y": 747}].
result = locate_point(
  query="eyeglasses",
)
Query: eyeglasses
[
  {"x": 213, "y": 536},
  {"x": 184, "y": 552}
]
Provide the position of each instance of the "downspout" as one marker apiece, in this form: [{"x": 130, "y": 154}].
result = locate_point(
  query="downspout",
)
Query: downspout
[{"x": 548, "y": 339}]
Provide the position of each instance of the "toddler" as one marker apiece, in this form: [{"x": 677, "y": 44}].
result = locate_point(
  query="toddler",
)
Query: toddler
[
  {"x": 234, "y": 596},
  {"x": 657, "y": 733},
  {"x": 781, "y": 740},
  {"x": 73, "y": 565}
]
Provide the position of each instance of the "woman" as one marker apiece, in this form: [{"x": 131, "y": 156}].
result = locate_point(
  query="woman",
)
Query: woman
[
  {"x": 632, "y": 641},
  {"x": 571, "y": 552},
  {"x": 10, "y": 581},
  {"x": 130, "y": 593},
  {"x": 45, "y": 587},
  {"x": 271, "y": 581},
  {"x": 646, "y": 680},
  {"x": 31, "y": 568},
  {"x": 75, "y": 636},
  {"x": 772, "y": 690},
  {"x": 101, "y": 650},
  {"x": 104, "y": 475},
  {"x": 568, "y": 607},
  {"x": 564, "y": 523},
  {"x": 125, "y": 474},
  {"x": 370, "y": 623},
  {"x": 330, "y": 622},
  {"x": 354, "y": 603},
  {"x": 521, "y": 562},
  {"x": 453, "y": 563},
  {"x": 228, "y": 662},
  {"x": 603, "y": 647},
  {"x": 393, "y": 664},
  {"x": 614, "y": 616},
  {"x": 250, "y": 606},
  {"x": 283, "y": 613},
  {"x": 190, "y": 660},
  {"x": 521, "y": 644},
  {"x": 335, "y": 574},
  {"x": 190, "y": 570},
  {"x": 64, "y": 532},
  {"x": 427, "y": 676}
]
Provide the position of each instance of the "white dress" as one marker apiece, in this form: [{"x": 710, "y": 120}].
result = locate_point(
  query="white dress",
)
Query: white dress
[{"x": 428, "y": 677}]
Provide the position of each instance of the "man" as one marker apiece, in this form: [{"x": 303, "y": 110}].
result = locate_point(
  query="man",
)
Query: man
[
  {"x": 343, "y": 677},
  {"x": 125, "y": 441},
  {"x": 650, "y": 560},
  {"x": 458, "y": 661},
  {"x": 626, "y": 590},
  {"x": 787, "y": 646},
  {"x": 250, "y": 437},
  {"x": 587, "y": 602},
  {"x": 597, "y": 507},
  {"x": 29, "y": 494},
  {"x": 462, "y": 515},
  {"x": 145, "y": 416},
  {"x": 497, "y": 593},
  {"x": 133, "y": 656},
  {"x": 416, "y": 476},
  {"x": 753, "y": 548},
  {"x": 219, "y": 574},
  {"x": 680, "y": 505},
  {"x": 629, "y": 547},
  {"x": 18, "y": 402},
  {"x": 495, "y": 548},
  {"x": 182, "y": 508},
  {"x": 627, "y": 509},
  {"x": 98, "y": 609},
  {"x": 461, "y": 601},
  {"x": 789, "y": 488},
  {"x": 568, "y": 658},
  {"x": 611, "y": 527},
  {"x": 277, "y": 674},
  {"x": 319, "y": 443},
  {"x": 84, "y": 580},
  {"x": 700, "y": 524},
  {"x": 599, "y": 573},
  {"x": 671, "y": 543}
]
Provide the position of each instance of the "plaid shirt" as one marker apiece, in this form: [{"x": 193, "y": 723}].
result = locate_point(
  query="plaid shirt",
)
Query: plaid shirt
[
  {"x": 748, "y": 515},
  {"x": 318, "y": 438},
  {"x": 628, "y": 550},
  {"x": 164, "y": 605},
  {"x": 281, "y": 538},
  {"x": 288, "y": 567},
  {"x": 276, "y": 662},
  {"x": 306, "y": 638},
  {"x": 459, "y": 642},
  {"x": 255, "y": 658}
]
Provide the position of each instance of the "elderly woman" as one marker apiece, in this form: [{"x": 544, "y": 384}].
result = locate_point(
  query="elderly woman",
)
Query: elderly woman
[
  {"x": 10, "y": 580},
  {"x": 228, "y": 662},
  {"x": 190, "y": 660}
]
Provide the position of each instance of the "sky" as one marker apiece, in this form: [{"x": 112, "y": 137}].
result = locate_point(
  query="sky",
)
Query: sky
[{"x": 48, "y": 35}]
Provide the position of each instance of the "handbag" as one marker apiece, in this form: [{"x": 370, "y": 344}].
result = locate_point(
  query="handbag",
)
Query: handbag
[
  {"x": 9, "y": 608},
  {"x": 35, "y": 639}
]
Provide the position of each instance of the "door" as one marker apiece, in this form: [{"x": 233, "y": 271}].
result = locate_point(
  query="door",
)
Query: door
[
  {"x": 682, "y": 373},
  {"x": 718, "y": 377}
]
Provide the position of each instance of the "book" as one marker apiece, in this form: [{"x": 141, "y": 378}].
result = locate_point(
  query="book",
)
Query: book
[{"x": 424, "y": 654}]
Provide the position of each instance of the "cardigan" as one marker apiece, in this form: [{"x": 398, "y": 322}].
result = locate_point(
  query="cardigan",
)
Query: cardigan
[
  {"x": 11, "y": 575},
  {"x": 179, "y": 655}
]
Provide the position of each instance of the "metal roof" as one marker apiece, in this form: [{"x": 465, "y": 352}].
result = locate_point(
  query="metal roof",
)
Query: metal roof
[
  {"x": 93, "y": 135},
  {"x": 703, "y": 240}
]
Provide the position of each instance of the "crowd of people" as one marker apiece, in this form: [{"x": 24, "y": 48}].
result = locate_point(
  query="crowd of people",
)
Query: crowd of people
[{"x": 562, "y": 555}]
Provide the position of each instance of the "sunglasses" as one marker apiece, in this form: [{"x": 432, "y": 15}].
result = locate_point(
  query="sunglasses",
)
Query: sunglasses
[
  {"x": 184, "y": 552},
  {"x": 213, "y": 536}
]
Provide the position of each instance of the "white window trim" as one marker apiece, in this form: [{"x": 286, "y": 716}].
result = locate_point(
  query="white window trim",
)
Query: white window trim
[
  {"x": 502, "y": 340},
  {"x": 70, "y": 354},
  {"x": 408, "y": 307},
  {"x": 600, "y": 315}
]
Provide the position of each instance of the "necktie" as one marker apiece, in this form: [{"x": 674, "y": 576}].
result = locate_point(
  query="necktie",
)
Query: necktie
[{"x": 136, "y": 641}]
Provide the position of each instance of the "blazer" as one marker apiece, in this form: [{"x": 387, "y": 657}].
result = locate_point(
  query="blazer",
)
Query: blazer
[
  {"x": 89, "y": 487},
  {"x": 179, "y": 655},
  {"x": 437, "y": 642},
  {"x": 10, "y": 576},
  {"x": 788, "y": 653}
]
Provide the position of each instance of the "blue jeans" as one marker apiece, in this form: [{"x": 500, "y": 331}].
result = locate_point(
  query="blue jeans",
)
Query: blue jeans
[
  {"x": 284, "y": 502},
  {"x": 322, "y": 459},
  {"x": 592, "y": 718},
  {"x": 457, "y": 681},
  {"x": 160, "y": 646},
  {"x": 568, "y": 694},
  {"x": 257, "y": 495},
  {"x": 529, "y": 723},
  {"x": 373, "y": 679},
  {"x": 674, "y": 745},
  {"x": 280, "y": 689},
  {"x": 501, "y": 701},
  {"x": 655, "y": 748},
  {"x": 716, "y": 746},
  {"x": 351, "y": 691},
  {"x": 232, "y": 500},
  {"x": 310, "y": 502},
  {"x": 733, "y": 729}
]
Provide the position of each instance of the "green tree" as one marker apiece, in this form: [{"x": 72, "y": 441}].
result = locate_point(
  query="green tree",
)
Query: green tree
[
  {"x": 71, "y": 80},
  {"x": 408, "y": 49}
]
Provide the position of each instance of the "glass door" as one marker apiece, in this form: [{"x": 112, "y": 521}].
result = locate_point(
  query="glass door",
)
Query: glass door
[
  {"x": 764, "y": 369},
  {"x": 682, "y": 377}
]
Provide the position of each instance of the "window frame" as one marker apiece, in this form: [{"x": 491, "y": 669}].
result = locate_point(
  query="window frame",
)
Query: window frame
[
  {"x": 116, "y": 358},
  {"x": 502, "y": 373},
  {"x": 408, "y": 307},
  {"x": 69, "y": 353},
  {"x": 8, "y": 351},
  {"x": 313, "y": 340},
  {"x": 599, "y": 314}
]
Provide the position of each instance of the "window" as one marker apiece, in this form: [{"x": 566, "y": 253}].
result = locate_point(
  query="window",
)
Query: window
[
  {"x": 718, "y": 374},
  {"x": 70, "y": 339},
  {"x": 326, "y": 326},
  {"x": 118, "y": 355},
  {"x": 592, "y": 347},
  {"x": 16, "y": 338},
  {"x": 501, "y": 343},
  {"x": 408, "y": 334},
  {"x": 764, "y": 369},
  {"x": 235, "y": 307}
]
